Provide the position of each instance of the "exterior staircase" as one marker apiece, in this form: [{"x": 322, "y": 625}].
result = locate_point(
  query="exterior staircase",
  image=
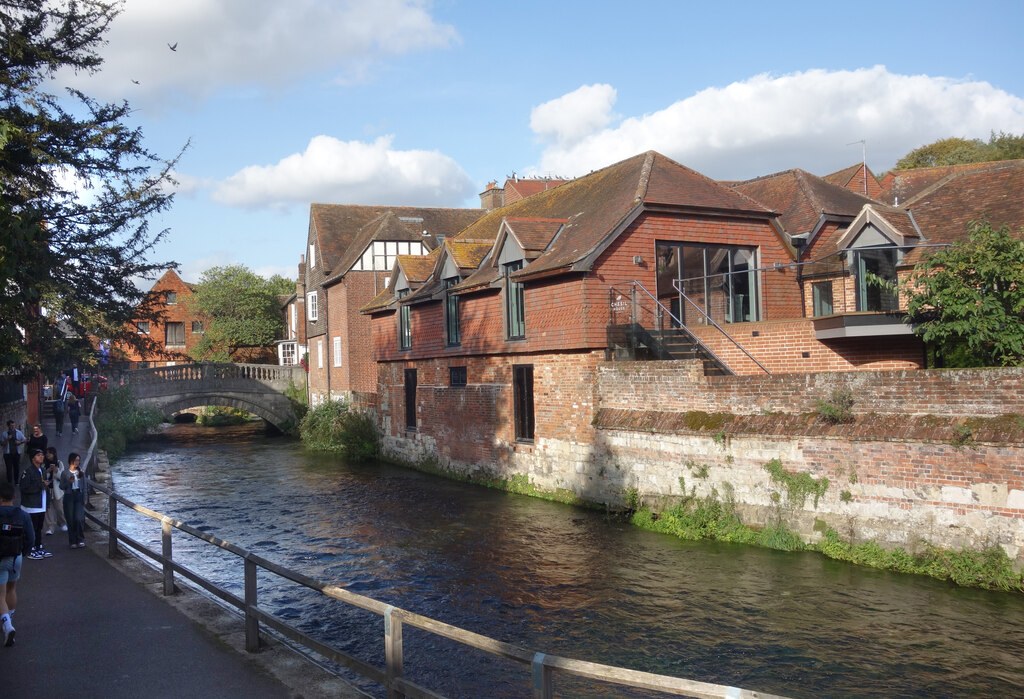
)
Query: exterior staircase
[{"x": 673, "y": 343}]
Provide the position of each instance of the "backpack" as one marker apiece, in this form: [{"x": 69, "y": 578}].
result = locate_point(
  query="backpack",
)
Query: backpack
[{"x": 12, "y": 533}]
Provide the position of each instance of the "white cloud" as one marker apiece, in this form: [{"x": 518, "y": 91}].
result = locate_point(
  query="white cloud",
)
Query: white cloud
[
  {"x": 574, "y": 116},
  {"x": 771, "y": 123},
  {"x": 350, "y": 172},
  {"x": 255, "y": 42}
]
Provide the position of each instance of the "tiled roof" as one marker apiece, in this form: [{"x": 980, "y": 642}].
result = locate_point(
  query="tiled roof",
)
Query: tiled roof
[
  {"x": 467, "y": 254},
  {"x": 381, "y": 301},
  {"x": 801, "y": 198},
  {"x": 534, "y": 234},
  {"x": 900, "y": 186},
  {"x": 516, "y": 189},
  {"x": 595, "y": 206},
  {"x": 344, "y": 230},
  {"x": 417, "y": 268}
]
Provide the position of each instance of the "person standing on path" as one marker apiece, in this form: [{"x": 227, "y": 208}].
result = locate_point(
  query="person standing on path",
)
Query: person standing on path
[
  {"x": 52, "y": 468},
  {"x": 12, "y": 440},
  {"x": 72, "y": 482},
  {"x": 16, "y": 540},
  {"x": 33, "y": 501},
  {"x": 76, "y": 379},
  {"x": 74, "y": 412},
  {"x": 59, "y": 408},
  {"x": 36, "y": 440}
]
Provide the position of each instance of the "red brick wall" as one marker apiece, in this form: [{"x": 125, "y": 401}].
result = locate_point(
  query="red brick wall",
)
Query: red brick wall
[
  {"x": 780, "y": 346},
  {"x": 176, "y": 313},
  {"x": 671, "y": 386}
]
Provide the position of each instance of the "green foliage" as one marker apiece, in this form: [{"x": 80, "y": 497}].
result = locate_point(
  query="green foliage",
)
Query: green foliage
[
  {"x": 220, "y": 416},
  {"x": 631, "y": 496},
  {"x": 697, "y": 470},
  {"x": 990, "y": 569},
  {"x": 296, "y": 395},
  {"x": 797, "y": 485},
  {"x": 240, "y": 308},
  {"x": 846, "y": 496},
  {"x": 837, "y": 409},
  {"x": 120, "y": 419},
  {"x": 74, "y": 255},
  {"x": 958, "y": 151},
  {"x": 968, "y": 299},
  {"x": 334, "y": 427},
  {"x": 963, "y": 436}
]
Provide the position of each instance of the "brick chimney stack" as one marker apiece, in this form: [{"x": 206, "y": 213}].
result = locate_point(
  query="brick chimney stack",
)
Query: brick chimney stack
[{"x": 493, "y": 197}]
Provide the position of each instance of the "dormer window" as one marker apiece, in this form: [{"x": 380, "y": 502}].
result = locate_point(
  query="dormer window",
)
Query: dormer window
[
  {"x": 404, "y": 322},
  {"x": 515, "y": 311},
  {"x": 453, "y": 334}
]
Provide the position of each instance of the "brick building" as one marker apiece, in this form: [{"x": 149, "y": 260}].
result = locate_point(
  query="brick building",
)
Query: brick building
[
  {"x": 351, "y": 251},
  {"x": 487, "y": 349},
  {"x": 174, "y": 331}
]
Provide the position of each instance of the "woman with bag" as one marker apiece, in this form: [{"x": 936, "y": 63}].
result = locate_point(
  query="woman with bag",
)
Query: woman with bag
[
  {"x": 53, "y": 467},
  {"x": 72, "y": 482}
]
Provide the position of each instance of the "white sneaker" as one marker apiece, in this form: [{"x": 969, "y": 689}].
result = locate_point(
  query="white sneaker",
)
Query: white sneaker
[
  {"x": 63, "y": 527},
  {"x": 8, "y": 635},
  {"x": 49, "y": 532}
]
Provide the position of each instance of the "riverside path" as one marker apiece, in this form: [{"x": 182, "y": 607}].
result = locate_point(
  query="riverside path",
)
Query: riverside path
[{"x": 86, "y": 629}]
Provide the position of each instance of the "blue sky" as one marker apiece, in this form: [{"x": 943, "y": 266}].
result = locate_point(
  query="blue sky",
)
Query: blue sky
[{"x": 422, "y": 103}]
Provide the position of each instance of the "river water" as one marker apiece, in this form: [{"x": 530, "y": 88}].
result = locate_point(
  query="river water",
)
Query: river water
[{"x": 560, "y": 580}]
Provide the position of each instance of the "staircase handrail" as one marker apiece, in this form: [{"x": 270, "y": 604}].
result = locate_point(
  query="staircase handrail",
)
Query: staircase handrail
[
  {"x": 675, "y": 284},
  {"x": 679, "y": 324}
]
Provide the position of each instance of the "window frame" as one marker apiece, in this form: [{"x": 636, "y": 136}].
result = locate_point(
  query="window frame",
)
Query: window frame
[
  {"x": 142, "y": 327},
  {"x": 167, "y": 333},
  {"x": 171, "y": 298},
  {"x": 524, "y": 416},
  {"x": 404, "y": 322},
  {"x": 410, "y": 381},
  {"x": 458, "y": 376},
  {"x": 197, "y": 327},
  {"x": 515, "y": 302},
  {"x": 452, "y": 321},
  {"x": 818, "y": 298},
  {"x": 336, "y": 348}
]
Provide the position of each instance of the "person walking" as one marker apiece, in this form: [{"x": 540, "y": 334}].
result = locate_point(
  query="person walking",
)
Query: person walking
[
  {"x": 72, "y": 482},
  {"x": 33, "y": 500},
  {"x": 52, "y": 468},
  {"x": 12, "y": 440},
  {"x": 59, "y": 409},
  {"x": 76, "y": 379},
  {"x": 16, "y": 540},
  {"x": 74, "y": 412},
  {"x": 36, "y": 440}
]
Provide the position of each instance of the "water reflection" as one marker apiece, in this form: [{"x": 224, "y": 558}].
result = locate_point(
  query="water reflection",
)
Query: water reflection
[{"x": 562, "y": 580}]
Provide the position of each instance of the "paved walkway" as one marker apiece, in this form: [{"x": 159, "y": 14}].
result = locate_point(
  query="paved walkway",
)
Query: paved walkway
[{"x": 85, "y": 629}]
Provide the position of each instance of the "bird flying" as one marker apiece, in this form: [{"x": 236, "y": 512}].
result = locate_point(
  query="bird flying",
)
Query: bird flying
[{"x": 173, "y": 47}]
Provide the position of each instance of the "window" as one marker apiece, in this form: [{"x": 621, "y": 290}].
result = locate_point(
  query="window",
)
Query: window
[
  {"x": 288, "y": 353},
  {"x": 404, "y": 322},
  {"x": 720, "y": 280},
  {"x": 312, "y": 256},
  {"x": 294, "y": 313},
  {"x": 821, "y": 293},
  {"x": 515, "y": 321},
  {"x": 311, "y": 306},
  {"x": 172, "y": 298},
  {"x": 380, "y": 255},
  {"x": 174, "y": 334},
  {"x": 337, "y": 351},
  {"x": 871, "y": 266},
  {"x": 143, "y": 326},
  {"x": 410, "y": 399},
  {"x": 457, "y": 376},
  {"x": 451, "y": 313},
  {"x": 320, "y": 354},
  {"x": 197, "y": 327},
  {"x": 522, "y": 397}
]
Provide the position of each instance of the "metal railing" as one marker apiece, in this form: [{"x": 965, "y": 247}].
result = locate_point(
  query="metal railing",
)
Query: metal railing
[{"x": 544, "y": 668}]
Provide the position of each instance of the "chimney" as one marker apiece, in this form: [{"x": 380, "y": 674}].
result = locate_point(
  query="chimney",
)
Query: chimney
[{"x": 493, "y": 197}]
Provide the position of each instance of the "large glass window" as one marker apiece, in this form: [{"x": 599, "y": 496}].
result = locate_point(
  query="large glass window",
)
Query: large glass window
[
  {"x": 720, "y": 280},
  {"x": 451, "y": 313},
  {"x": 522, "y": 396},
  {"x": 515, "y": 318},
  {"x": 874, "y": 270}
]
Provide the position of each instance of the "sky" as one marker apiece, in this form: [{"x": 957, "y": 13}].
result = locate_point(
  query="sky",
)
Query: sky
[{"x": 278, "y": 105}]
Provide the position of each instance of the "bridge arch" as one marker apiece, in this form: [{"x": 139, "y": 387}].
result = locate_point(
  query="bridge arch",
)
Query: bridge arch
[{"x": 256, "y": 388}]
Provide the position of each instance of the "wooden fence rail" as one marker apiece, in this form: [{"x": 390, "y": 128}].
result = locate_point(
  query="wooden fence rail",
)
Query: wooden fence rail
[{"x": 544, "y": 668}]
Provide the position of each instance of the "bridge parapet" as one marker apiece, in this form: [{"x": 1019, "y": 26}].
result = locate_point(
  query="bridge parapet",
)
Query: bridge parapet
[{"x": 209, "y": 375}]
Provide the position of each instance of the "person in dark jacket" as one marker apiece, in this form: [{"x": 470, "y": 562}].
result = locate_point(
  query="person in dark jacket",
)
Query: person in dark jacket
[
  {"x": 72, "y": 482},
  {"x": 74, "y": 411},
  {"x": 33, "y": 487},
  {"x": 36, "y": 440},
  {"x": 10, "y": 565}
]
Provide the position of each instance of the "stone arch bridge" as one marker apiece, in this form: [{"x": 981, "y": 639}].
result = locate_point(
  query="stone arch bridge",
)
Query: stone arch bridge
[{"x": 256, "y": 388}]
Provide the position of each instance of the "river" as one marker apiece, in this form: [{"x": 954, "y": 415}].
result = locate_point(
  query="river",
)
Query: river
[{"x": 560, "y": 580}]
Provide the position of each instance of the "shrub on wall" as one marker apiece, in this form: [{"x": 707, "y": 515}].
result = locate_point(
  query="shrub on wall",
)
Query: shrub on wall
[{"x": 335, "y": 427}]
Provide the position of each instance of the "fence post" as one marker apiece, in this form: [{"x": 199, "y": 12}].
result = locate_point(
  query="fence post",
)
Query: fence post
[
  {"x": 393, "y": 650},
  {"x": 252, "y": 622},
  {"x": 165, "y": 540},
  {"x": 543, "y": 687},
  {"x": 112, "y": 524}
]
